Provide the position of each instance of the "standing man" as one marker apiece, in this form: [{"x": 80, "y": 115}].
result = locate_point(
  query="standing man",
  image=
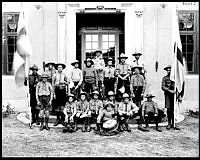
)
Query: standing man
[
  {"x": 51, "y": 71},
  {"x": 44, "y": 96},
  {"x": 60, "y": 83},
  {"x": 76, "y": 76},
  {"x": 33, "y": 78},
  {"x": 90, "y": 78},
  {"x": 123, "y": 77},
  {"x": 137, "y": 86},
  {"x": 109, "y": 76},
  {"x": 99, "y": 65},
  {"x": 169, "y": 91}
]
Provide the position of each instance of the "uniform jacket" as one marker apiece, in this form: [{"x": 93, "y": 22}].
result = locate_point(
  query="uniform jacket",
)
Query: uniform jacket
[
  {"x": 82, "y": 106},
  {"x": 149, "y": 107},
  {"x": 70, "y": 109},
  {"x": 90, "y": 75},
  {"x": 33, "y": 80},
  {"x": 130, "y": 107},
  {"x": 96, "y": 106},
  {"x": 169, "y": 97}
]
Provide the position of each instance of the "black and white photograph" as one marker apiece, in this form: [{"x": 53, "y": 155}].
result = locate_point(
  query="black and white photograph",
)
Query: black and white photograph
[{"x": 100, "y": 79}]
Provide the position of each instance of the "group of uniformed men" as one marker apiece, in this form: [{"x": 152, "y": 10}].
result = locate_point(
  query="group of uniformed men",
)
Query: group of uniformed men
[{"x": 107, "y": 95}]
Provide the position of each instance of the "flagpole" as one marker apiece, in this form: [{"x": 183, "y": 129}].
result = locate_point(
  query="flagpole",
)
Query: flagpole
[{"x": 175, "y": 67}]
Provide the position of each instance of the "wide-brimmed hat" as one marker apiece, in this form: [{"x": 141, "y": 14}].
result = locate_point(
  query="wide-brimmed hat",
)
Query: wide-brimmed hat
[
  {"x": 89, "y": 59},
  {"x": 149, "y": 96},
  {"x": 50, "y": 63},
  {"x": 133, "y": 68},
  {"x": 122, "y": 55},
  {"x": 97, "y": 51},
  {"x": 125, "y": 95},
  {"x": 137, "y": 53},
  {"x": 83, "y": 93},
  {"x": 111, "y": 93},
  {"x": 109, "y": 103},
  {"x": 76, "y": 61},
  {"x": 71, "y": 95},
  {"x": 45, "y": 75},
  {"x": 63, "y": 65},
  {"x": 168, "y": 67},
  {"x": 95, "y": 92},
  {"x": 34, "y": 67},
  {"x": 109, "y": 59}
]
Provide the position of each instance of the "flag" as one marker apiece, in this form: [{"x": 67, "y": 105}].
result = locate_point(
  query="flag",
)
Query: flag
[
  {"x": 23, "y": 51},
  {"x": 178, "y": 64}
]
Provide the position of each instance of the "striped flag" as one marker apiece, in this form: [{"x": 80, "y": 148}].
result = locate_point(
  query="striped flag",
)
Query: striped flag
[
  {"x": 178, "y": 66},
  {"x": 23, "y": 51}
]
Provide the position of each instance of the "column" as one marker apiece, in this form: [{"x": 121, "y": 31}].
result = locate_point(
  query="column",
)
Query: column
[
  {"x": 61, "y": 32},
  {"x": 139, "y": 27},
  {"x": 129, "y": 33}
]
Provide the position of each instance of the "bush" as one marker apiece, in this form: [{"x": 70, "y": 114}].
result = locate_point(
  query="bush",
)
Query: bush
[{"x": 7, "y": 109}]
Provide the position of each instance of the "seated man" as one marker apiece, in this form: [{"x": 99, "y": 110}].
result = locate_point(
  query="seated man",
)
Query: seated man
[
  {"x": 107, "y": 123},
  {"x": 150, "y": 112},
  {"x": 96, "y": 105},
  {"x": 70, "y": 112},
  {"x": 83, "y": 112},
  {"x": 127, "y": 109}
]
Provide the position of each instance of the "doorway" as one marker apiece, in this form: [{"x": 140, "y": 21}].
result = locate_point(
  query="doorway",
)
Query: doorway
[{"x": 99, "y": 31}]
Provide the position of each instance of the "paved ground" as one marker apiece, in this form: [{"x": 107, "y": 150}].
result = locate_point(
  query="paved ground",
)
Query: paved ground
[{"x": 20, "y": 141}]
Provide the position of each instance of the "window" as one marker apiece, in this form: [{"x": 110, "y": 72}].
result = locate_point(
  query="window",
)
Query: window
[
  {"x": 9, "y": 37},
  {"x": 188, "y": 27}
]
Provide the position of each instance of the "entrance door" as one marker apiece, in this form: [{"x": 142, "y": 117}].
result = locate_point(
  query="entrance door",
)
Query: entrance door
[
  {"x": 107, "y": 42},
  {"x": 103, "y": 33}
]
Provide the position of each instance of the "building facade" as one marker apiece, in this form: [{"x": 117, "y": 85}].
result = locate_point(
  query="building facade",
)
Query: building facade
[{"x": 66, "y": 31}]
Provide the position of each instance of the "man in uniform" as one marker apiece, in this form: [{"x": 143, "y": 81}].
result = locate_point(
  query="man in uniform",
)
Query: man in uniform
[
  {"x": 76, "y": 76},
  {"x": 83, "y": 112},
  {"x": 90, "y": 78},
  {"x": 169, "y": 91},
  {"x": 99, "y": 65},
  {"x": 44, "y": 96},
  {"x": 51, "y": 71},
  {"x": 60, "y": 83},
  {"x": 123, "y": 76},
  {"x": 150, "y": 112},
  {"x": 127, "y": 109},
  {"x": 96, "y": 105},
  {"x": 33, "y": 79},
  {"x": 109, "y": 76},
  {"x": 70, "y": 112}
]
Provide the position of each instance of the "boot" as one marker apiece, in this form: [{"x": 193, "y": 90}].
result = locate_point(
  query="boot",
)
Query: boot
[
  {"x": 75, "y": 127},
  {"x": 62, "y": 118},
  {"x": 97, "y": 128},
  {"x": 37, "y": 118},
  {"x": 88, "y": 125},
  {"x": 127, "y": 127},
  {"x": 46, "y": 123},
  {"x": 168, "y": 126},
  {"x": 147, "y": 124},
  {"x": 84, "y": 125},
  {"x": 157, "y": 128},
  {"x": 57, "y": 120},
  {"x": 42, "y": 124}
]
